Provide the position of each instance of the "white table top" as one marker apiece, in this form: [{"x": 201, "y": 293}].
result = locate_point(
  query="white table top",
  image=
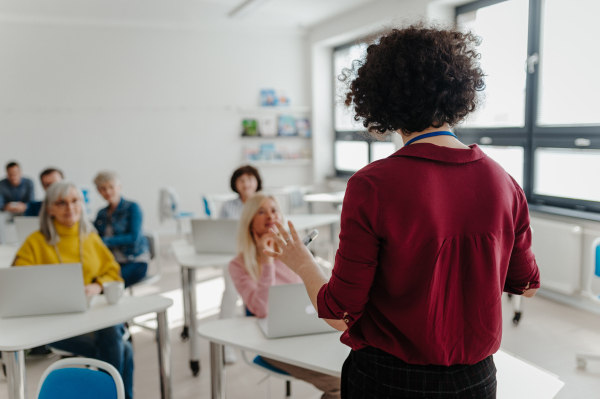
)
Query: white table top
[
  {"x": 7, "y": 254},
  {"x": 186, "y": 255},
  {"x": 310, "y": 221},
  {"x": 336, "y": 198},
  {"x": 31, "y": 331},
  {"x": 517, "y": 379},
  {"x": 303, "y": 351}
]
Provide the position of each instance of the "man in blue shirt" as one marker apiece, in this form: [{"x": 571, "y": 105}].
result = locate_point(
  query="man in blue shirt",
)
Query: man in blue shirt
[
  {"x": 47, "y": 177},
  {"x": 15, "y": 191}
]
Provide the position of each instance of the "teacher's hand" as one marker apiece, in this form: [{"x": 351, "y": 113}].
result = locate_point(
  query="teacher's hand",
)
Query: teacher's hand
[{"x": 292, "y": 251}]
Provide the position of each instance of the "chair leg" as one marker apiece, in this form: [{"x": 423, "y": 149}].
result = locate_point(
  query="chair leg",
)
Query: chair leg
[{"x": 288, "y": 389}]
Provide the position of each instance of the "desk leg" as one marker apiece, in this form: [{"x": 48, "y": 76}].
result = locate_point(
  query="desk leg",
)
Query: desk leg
[
  {"x": 194, "y": 344},
  {"x": 186, "y": 304},
  {"x": 164, "y": 356},
  {"x": 217, "y": 372},
  {"x": 15, "y": 374}
]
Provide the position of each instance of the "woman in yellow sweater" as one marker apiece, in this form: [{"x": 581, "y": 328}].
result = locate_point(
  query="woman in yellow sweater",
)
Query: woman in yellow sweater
[{"x": 67, "y": 236}]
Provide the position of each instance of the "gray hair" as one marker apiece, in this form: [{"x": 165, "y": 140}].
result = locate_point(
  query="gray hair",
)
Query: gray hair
[
  {"x": 55, "y": 192},
  {"x": 106, "y": 177}
]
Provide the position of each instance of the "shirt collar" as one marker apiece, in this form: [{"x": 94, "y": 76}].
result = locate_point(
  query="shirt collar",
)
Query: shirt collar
[{"x": 442, "y": 154}]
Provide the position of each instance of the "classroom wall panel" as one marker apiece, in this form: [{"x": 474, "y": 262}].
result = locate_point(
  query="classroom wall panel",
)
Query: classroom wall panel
[{"x": 159, "y": 106}]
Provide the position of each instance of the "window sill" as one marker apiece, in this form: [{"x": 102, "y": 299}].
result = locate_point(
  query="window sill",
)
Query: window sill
[{"x": 554, "y": 210}]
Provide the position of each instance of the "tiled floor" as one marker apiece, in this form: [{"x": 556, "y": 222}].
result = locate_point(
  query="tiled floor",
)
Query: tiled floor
[{"x": 548, "y": 336}]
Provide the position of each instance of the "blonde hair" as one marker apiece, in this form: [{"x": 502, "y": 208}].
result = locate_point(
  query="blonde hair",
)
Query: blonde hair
[
  {"x": 106, "y": 177},
  {"x": 55, "y": 192},
  {"x": 245, "y": 240}
]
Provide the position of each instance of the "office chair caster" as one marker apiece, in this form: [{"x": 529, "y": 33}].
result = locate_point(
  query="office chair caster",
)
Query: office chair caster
[
  {"x": 185, "y": 334},
  {"x": 517, "y": 318},
  {"x": 195, "y": 366}
]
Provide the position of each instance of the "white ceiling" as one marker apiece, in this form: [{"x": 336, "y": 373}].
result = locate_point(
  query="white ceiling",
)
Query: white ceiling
[{"x": 292, "y": 14}]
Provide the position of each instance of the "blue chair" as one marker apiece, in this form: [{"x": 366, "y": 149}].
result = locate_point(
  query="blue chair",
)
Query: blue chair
[
  {"x": 583, "y": 357},
  {"x": 62, "y": 381},
  {"x": 260, "y": 364}
]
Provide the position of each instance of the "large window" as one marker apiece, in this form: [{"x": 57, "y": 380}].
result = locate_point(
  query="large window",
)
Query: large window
[
  {"x": 353, "y": 148},
  {"x": 539, "y": 118}
]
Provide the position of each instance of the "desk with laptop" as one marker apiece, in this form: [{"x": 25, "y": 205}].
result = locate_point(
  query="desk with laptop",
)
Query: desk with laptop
[
  {"x": 214, "y": 244},
  {"x": 47, "y": 303},
  {"x": 303, "y": 340}
]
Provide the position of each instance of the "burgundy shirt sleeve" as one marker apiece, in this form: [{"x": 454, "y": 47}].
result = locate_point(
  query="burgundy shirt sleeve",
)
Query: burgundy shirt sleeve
[
  {"x": 522, "y": 268},
  {"x": 356, "y": 261},
  {"x": 255, "y": 294}
]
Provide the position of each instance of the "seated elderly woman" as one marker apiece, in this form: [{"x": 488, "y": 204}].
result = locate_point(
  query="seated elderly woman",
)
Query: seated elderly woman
[
  {"x": 120, "y": 226},
  {"x": 66, "y": 236},
  {"x": 253, "y": 273},
  {"x": 245, "y": 181}
]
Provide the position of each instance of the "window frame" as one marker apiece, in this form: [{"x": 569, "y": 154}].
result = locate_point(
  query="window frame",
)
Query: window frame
[
  {"x": 349, "y": 135},
  {"x": 533, "y": 136}
]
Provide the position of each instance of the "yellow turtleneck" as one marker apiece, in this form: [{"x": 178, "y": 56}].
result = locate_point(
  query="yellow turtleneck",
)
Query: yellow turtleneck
[{"x": 98, "y": 262}]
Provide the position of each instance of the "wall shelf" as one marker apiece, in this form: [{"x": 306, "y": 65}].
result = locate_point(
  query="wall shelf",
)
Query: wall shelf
[{"x": 274, "y": 110}]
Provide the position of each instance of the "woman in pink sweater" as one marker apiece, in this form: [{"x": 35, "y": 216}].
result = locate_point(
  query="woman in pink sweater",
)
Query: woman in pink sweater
[{"x": 253, "y": 273}]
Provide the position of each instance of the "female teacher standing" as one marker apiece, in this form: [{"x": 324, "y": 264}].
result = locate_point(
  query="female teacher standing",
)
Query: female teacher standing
[{"x": 430, "y": 236}]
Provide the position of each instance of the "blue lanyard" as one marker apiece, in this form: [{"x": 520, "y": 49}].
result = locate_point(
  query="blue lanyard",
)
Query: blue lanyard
[{"x": 433, "y": 134}]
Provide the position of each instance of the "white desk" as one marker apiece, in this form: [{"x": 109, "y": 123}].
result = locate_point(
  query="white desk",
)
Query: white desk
[
  {"x": 7, "y": 254},
  {"x": 190, "y": 260},
  {"x": 21, "y": 333},
  {"x": 335, "y": 198},
  {"x": 326, "y": 354}
]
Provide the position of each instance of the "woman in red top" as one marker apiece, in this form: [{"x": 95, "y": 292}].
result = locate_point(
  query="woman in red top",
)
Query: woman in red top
[{"x": 430, "y": 236}]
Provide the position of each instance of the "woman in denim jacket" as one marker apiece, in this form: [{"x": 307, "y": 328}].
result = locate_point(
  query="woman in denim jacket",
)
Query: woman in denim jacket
[{"x": 120, "y": 226}]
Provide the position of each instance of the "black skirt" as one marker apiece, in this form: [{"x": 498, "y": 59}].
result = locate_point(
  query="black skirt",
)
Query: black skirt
[{"x": 371, "y": 373}]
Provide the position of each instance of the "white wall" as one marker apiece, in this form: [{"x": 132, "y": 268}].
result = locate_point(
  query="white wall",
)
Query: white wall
[{"x": 156, "y": 105}]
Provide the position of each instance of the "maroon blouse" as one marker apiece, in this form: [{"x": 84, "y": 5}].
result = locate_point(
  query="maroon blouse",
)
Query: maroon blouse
[{"x": 430, "y": 237}]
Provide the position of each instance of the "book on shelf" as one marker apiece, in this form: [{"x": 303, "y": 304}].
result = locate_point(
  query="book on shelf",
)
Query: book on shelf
[
  {"x": 303, "y": 127},
  {"x": 267, "y": 126},
  {"x": 287, "y": 126},
  {"x": 249, "y": 127}
]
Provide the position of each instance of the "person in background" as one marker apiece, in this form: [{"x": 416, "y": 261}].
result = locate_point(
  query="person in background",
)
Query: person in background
[
  {"x": 66, "y": 236},
  {"x": 15, "y": 191},
  {"x": 120, "y": 226},
  {"x": 253, "y": 273},
  {"x": 47, "y": 177},
  {"x": 245, "y": 181}
]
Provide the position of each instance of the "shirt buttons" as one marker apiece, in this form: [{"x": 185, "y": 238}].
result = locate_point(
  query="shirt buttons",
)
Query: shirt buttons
[{"x": 347, "y": 321}]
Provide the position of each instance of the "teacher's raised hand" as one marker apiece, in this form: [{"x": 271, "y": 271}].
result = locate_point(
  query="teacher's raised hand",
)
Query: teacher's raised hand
[{"x": 292, "y": 251}]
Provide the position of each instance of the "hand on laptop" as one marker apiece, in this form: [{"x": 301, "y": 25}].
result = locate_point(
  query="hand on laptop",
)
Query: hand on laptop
[{"x": 93, "y": 289}]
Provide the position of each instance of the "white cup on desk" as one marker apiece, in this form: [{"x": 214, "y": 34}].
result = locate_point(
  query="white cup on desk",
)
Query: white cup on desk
[{"x": 113, "y": 291}]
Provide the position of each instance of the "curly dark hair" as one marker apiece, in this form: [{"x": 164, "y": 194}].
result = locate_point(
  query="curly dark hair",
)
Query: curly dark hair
[{"x": 415, "y": 78}]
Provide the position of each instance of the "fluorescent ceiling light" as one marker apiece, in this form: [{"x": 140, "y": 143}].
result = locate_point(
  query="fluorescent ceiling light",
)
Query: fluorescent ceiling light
[{"x": 245, "y": 8}]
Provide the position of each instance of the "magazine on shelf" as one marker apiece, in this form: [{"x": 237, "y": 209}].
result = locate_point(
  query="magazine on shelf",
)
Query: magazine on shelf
[{"x": 287, "y": 126}]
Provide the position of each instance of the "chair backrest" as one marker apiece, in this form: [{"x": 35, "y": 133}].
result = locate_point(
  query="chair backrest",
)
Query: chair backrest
[
  {"x": 150, "y": 237},
  {"x": 154, "y": 248},
  {"x": 168, "y": 205},
  {"x": 62, "y": 381}
]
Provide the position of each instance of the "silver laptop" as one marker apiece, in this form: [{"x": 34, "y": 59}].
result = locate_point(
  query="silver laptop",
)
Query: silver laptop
[
  {"x": 44, "y": 289},
  {"x": 214, "y": 236},
  {"x": 291, "y": 313},
  {"x": 25, "y": 226}
]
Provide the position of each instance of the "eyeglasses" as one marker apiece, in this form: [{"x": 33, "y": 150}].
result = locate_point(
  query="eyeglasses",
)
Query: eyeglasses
[{"x": 63, "y": 204}]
